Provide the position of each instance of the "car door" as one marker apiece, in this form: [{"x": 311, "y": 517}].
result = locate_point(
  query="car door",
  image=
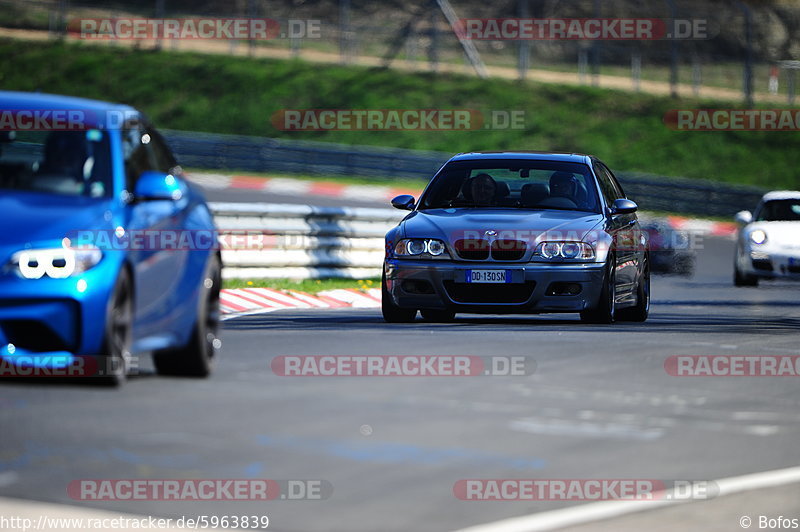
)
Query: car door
[
  {"x": 623, "y": 229},
  {"x": 154, "y": 227}
]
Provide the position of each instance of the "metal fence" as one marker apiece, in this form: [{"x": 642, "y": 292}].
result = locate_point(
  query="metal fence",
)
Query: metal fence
[{"x": 214, "y": 151}]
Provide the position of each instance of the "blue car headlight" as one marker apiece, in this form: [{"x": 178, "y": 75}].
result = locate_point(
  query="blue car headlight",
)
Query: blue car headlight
[{"x": 56, "y": 263}]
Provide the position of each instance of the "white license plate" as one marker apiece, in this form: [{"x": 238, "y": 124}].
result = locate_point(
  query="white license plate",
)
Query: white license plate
[{"x": 487, "y": 276}]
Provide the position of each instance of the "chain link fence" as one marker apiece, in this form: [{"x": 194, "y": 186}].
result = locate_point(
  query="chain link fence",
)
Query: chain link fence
[{"x": 741, "y": 50}]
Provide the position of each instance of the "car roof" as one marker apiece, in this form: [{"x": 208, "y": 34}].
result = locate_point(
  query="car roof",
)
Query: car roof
[
  {"x": 38, "y": 101},
  {"x": 524, "y": 154},
  {"x": 781, "y": 195}
]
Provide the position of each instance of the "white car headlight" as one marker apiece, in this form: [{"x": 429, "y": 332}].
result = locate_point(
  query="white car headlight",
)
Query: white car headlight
[
  {"x": 565, "y": 250},
  {"x": 56, "y": 263},
  {"x": 758, "y": 236},
  {"x": 413, "y": 247}
]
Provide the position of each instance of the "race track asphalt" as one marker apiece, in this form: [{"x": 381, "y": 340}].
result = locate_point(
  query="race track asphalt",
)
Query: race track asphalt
[{"x": 600, "y": 405}]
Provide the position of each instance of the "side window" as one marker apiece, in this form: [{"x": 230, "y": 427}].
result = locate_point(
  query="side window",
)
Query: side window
[
  {"x": 164, "y": 160},
  {"x": 617, "y": 187},
  {"x": 606, "y": 184},
  {"x": 138, "y": 155}
]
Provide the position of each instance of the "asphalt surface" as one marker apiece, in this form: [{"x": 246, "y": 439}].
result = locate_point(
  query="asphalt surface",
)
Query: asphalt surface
[{"x": 600, "y": 405}]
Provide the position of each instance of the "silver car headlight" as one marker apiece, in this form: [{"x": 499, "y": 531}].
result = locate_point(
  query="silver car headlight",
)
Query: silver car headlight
[
  {"x": 569, "y": 250},
  {"x": 420, "y": 247},
  {"x": 56, "y": 263},
  {"x": 758, "y": 236}
]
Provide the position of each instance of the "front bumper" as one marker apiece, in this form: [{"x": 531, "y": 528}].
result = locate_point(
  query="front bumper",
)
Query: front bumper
[
  {"x": 53, "y": 323},
  {"x": 771, "y": 265},
  {"x": 434, "y": 284}
]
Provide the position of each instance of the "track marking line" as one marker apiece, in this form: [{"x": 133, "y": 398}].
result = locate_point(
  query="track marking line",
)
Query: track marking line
[{"x": 598, "y": 511}]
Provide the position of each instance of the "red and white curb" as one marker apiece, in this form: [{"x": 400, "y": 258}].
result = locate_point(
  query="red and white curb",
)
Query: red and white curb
[
  {"x": 239, "y": 301},
  {"x": 704, "y": 227},
  {"x": 300, "y": 187}
]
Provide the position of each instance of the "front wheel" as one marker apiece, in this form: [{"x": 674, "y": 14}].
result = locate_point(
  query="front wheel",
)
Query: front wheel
[
  {"x": 391, "y": 312},
  {"x": 642, "y": 309},
  {"x": 741, "y": 279},
  {"x": 196, "y": 358},
  {"x": 116, "y": 356},
  {"x": 605, "y": 312}
]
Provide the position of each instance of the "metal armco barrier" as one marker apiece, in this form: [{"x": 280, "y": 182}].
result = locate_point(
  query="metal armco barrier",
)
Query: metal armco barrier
[
  {"x": 300, "y": 241},
  {"x": 259, "y": 154}
]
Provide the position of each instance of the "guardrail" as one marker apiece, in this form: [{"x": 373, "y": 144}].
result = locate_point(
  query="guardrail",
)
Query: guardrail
[
  {"x": 263, "y": 154},
  {"x": 279, "y": 241},
  {"x": 301, "y": 241},
  {"x": 260, "y": 154}
]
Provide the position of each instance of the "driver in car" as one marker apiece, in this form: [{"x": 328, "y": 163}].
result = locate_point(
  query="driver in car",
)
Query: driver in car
[
  {"x": 564, "y": 185},
  {"x": 66, "y": 163},
  {"x": 484, "y": 189}
]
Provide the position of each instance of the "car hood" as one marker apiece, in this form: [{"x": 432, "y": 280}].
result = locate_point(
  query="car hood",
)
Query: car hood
[
  {"x": 787, "y": 230},
  {"x": 453, "y": 224},
  {"x": 33, "y": 219}
]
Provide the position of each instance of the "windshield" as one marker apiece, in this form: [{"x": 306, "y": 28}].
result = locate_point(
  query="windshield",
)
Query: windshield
[
  {"x": 522, "y": 184},
  {"x": 69, "y": 163},
  {"x": 787, "y": 210}
]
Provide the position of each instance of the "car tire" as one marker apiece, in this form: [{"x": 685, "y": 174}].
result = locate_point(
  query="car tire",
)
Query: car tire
[
  {"x": 391, "y": 312},
  {"x": 641, "y": 310},
  {"x": 196, "y": 358},
  {"x": 741, "y": 279},
  {"x": 605, "y": 312},
  {"x": 114, "y": 361},
  {"x": 437, "y": 316}
]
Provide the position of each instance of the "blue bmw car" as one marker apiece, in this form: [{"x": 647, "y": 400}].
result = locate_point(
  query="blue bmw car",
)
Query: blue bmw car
[
  {"x": 106, "y": 251},
  {"x": 518, "y": 233}
]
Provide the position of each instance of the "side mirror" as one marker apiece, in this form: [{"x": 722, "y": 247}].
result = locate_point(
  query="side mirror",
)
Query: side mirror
[
  {"x": 623, "y": 206},
  {"x": 744, "y": 217},
  {"x": 404, "y": 202},
  {"x": 155, "y": 186}
]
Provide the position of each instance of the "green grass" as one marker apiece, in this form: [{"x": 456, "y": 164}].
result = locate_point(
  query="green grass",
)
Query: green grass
[
  {"x": 239, "y": 95},
  {"x": 311, "y": 286}
]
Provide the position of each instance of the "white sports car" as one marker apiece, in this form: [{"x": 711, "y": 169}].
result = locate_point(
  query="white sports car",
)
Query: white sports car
[{"x": 768, "y": 244}]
